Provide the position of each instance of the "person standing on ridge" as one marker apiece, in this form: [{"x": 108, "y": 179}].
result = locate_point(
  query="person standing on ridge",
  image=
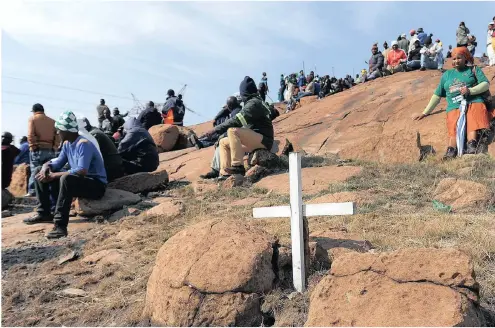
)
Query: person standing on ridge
[
  {"x": 263, "y": 86},
  {"x": 99, "y": 109},
  {"x": 449, "y": 52},
  {"x": 490, "y": 46},
  {"x": 385, "y": 52},
  {"x": 462, "y": 35},
  {"x": 118, "y": 119},
  {"x": 422, "y": 36},
  {"x": 173, "y": 110},
  {"x": 43, "y": 141},
  {"x": 282, "y": 88}
]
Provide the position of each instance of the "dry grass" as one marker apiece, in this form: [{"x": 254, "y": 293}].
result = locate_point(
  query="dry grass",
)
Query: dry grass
[{"x": 400, "y": 215}]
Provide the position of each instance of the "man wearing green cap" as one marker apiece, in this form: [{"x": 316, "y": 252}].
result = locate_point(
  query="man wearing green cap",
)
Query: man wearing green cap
[{"x": 86, "y": 178}]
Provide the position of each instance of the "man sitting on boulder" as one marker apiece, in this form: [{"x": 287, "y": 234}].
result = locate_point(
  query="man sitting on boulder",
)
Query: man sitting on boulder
[
  {"x": 249, "y": 130},
  {"x": 149, "y": 117},
  {"x": 111, "y": 157},
  {"x": 173, "y": 110},
  {"x": 231, "y": 109},
  {"x": 86, "y": 178},
  {"x": 429, "y": 58},
  {"x": 376, "y": 64},
  {"x": 414, "y": 58},
  {"x": 137, "y": 149},
  {"x": 396, "y": 58},
  {"x": 118, "y": 119}
]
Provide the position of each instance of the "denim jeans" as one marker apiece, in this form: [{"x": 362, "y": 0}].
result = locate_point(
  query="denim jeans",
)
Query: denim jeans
[
  {"x": 38, "y": 158},
  {"x": 414, "y": 64},
  {"x": 303, "y": 94},
  {"x": 428, "y": 63}
]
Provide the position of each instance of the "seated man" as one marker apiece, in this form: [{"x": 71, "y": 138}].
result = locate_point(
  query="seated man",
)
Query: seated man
[
  {"x": 309, "y": 91},
  {"x": 376, "y": 64},
  {"x": 9, "y": 153},
  {"x": 118, "y": 119},
  {"x": 429, "y": 58},
  {"x": 396, "y": 58},
  {"x": 414, "y": 58},
  {"x": 137, "y": 149},
  {"x": 23, "y": 157},
  {"x": 107, "y": 123},
  {"x": 86, "y": 178},
  {"x": 231, "y": 109},
  {"x": 149, "y": 116},
  {"x": 249, "y": 130},
  {"x": 111, "y": 157}
]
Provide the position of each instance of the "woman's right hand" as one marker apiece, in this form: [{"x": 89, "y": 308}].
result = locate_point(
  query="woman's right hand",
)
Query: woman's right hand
[{"x": 419, "y": 117}]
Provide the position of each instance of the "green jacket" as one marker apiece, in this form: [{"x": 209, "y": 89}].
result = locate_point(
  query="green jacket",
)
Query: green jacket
[{"x": 255, "y": 115}]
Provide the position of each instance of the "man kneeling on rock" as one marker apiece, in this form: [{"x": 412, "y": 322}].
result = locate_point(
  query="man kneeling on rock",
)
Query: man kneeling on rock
[
  {"x": 86, "y": 178},
  {"x": 249, "y": 130}
]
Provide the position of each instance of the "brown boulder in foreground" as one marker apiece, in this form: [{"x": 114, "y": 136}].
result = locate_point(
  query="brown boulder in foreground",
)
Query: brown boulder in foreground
[
  {"x": 211, "y": 274},
  {"x": 461, "y": 194},
  {"x": 410, "y": 287},
  {"x": 112, "y": 200},
  {"x": 141, "y": 182},
  {"x": 20, "y": 179},
  {"x": 165, "y": 136}
]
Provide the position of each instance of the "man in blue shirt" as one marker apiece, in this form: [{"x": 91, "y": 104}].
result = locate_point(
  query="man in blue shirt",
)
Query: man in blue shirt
[
  {"x": 86, "y": 178},
  {"x": 23, "y": 157}
]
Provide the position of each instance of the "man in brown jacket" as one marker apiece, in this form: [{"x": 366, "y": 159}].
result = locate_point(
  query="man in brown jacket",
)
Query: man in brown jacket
[{"x": 42, "y": 139}]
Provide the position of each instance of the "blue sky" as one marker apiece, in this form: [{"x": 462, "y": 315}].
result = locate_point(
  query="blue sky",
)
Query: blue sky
[{"x": 148, "y": 47}]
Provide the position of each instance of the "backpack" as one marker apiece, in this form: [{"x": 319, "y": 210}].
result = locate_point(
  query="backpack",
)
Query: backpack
[{"x": 487, "y": 96}]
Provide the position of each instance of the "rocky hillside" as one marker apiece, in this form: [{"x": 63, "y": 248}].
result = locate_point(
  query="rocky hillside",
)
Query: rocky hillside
[{"x": 166, "y": 249}]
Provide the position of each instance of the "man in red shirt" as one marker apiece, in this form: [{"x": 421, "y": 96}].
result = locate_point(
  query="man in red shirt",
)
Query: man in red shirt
[{"x": 396, "y": 58}]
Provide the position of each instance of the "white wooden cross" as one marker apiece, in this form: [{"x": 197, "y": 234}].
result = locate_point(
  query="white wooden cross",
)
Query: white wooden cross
[{"x": 297, "y": 211}]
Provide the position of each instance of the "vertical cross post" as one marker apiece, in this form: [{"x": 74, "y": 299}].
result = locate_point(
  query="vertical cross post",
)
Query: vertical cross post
[{"x": 296, "y": 223}]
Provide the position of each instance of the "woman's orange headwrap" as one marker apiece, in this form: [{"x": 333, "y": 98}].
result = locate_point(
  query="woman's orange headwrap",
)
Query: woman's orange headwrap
[{"x": 463, "y": 51}]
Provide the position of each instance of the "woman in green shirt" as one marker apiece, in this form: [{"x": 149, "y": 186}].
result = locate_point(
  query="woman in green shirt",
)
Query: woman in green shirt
[{"x": 462, "y": 82}]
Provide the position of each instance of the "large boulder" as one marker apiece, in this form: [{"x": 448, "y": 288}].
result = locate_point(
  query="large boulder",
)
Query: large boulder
[
  {"x": 20, "y": 180},
  {"x": 169, "y": 208},
  {"x": 141, "y": 182},
  {"x": 462, "y": 194},
  {"x": 211, "y": 274},
  {"x": 165, "y": 136},
  {"x": 410, "y": 287},
  {"x": 113, "y": 199},
  {"x": 6, "y": 198}
]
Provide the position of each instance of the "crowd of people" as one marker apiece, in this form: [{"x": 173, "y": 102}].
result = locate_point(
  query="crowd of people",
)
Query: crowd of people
[{"x": 69, "y": 157}]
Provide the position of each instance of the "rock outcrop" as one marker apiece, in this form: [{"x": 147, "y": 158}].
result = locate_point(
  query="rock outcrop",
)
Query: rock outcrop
[
  {"x": 20, "y": 179},
  {"x": 211, "y": 274},
  {"x": 169, "y": 208},
  {"x": 410, "y": 287},
  {"x": 113, "y": 199},
  {"x": 183, "y": 138},
  {"x": 462, "y": 194},
  {"x": 141, "y": 182},
  {"x": 165, "y": 136}
]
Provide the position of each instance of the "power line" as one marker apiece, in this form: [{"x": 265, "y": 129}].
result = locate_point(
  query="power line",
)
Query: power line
[
  {"x": 47, "y": 97},
  {"x": 50, "y": 107},
  {"x": 66, "y": 87}
]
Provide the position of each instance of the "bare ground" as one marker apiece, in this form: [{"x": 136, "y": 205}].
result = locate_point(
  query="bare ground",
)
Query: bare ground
[{"x": 399, "y": 215}]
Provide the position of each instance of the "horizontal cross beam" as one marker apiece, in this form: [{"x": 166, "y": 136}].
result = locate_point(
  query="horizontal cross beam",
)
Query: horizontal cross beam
[{"x": 307, "y": 210}]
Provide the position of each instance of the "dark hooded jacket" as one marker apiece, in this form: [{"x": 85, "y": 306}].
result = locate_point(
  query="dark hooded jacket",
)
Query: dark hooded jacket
[
  {"x": 376, "y": 62},
  {"x": 149, "y": 117},
  {"x": 255, "y": 114},
  {"x": 224, "y": 114},
  {"x": 111, "y": 157},
  {"x": 177, "y": 105},
  {"x": 138, "y": 146}
]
